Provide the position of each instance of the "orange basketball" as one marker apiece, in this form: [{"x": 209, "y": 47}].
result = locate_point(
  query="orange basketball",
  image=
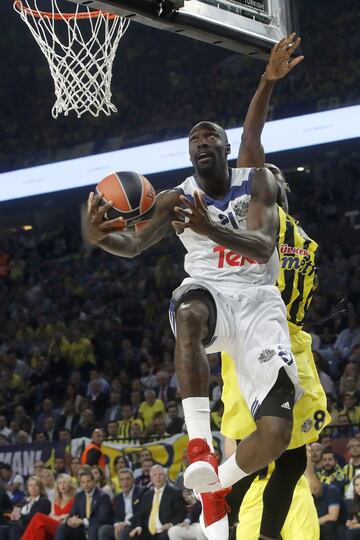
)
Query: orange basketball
[{"x": 132, "y": 196}]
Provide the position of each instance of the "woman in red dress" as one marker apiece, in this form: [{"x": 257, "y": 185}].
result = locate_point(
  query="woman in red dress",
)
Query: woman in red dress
[{"x": 42, "y": 527}]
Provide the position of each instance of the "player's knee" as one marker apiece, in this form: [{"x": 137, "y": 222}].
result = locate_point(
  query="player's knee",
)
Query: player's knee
[
  {"x": 276, "y": 434},
  {"x": 191, "y": 321}
]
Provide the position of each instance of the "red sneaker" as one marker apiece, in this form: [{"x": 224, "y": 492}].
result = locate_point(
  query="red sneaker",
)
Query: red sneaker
[
  {"x": 202, "y": 473},
  {"x": 214, "y": 516}
]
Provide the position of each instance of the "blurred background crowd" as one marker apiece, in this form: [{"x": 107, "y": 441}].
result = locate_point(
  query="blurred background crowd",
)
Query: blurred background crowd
[{"x": 219, "y": 82}]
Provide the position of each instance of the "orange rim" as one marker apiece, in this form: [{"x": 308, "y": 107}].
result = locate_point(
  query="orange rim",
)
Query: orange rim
[{"x": 59, "y": 16}]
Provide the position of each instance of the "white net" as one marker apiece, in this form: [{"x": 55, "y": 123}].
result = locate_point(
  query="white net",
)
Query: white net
[{"x": 80, "y": 48}]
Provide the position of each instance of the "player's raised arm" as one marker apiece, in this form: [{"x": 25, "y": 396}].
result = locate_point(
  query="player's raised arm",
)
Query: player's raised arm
[
  {"x": 258, "y": 240},
  {"x": 251, "y": 152},
  {"x": 124, "y": 243}
]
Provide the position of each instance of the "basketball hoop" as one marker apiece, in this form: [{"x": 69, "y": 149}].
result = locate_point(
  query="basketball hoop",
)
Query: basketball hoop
[{"x": 80, "y": 48}]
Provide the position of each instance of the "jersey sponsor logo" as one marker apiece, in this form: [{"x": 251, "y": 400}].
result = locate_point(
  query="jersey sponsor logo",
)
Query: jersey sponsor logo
[
  {"x": 231, "y": 258},
  {"x": 296, "y": 259},
  {"x": 285, "y": 248},
  {"x": 297, "y": 264},
  {"x": 307, "y": 425},
  {"x": 286, "y": 405},
  {"x": 266, "y": 355}
]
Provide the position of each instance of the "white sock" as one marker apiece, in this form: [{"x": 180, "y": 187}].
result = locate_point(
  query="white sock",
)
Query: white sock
[
  {"x": 230, "y": 472},
  {"x": 197, "y": 418}
]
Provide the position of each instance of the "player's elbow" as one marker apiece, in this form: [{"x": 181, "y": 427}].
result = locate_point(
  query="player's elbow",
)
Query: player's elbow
[{"x": 266, "y": 249}]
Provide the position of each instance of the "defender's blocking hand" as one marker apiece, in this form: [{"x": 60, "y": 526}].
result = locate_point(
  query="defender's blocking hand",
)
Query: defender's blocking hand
[{"x": 280, "y": 62}]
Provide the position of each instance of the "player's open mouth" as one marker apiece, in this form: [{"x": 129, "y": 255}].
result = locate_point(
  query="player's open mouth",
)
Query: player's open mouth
[{"x": 203, "y": 156}]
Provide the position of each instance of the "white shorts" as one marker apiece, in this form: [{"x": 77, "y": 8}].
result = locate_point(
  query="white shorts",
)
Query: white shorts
[{"x": 251, "y": 326}]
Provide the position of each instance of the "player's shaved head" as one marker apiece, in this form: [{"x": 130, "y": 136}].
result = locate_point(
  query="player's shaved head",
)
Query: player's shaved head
[
  {"x": 283, "y": 186},
  {"x": 206, "y": 124}
]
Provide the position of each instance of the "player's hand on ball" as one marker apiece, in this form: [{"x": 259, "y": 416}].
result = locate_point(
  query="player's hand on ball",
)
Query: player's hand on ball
[
  {"x": 280, "y": 62},
  {"x": 196, "y": 215},
  {"x": 97, "y": 227}
]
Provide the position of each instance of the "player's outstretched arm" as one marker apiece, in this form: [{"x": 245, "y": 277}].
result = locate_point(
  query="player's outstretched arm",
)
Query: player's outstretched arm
[
  {"x": 122, "y": 242},
  {"x": 251, "y": 152},
  {"x": 258, "y": 240}
]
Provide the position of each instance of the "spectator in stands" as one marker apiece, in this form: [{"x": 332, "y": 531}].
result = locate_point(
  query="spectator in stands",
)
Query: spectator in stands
[
  {"x": 120, "y": 463},
  {"x": 338, "y": 355},
  {"x": 65, "y": 435},
  {"x": 160, "y": 508},
  {"x": 353, "y": 524},
  {"x": 351, "y": 372},
  {"x": 350, "y": 407},
  {"x": 43, "y": 527},
  {"x": 76, "y": 380},
  {"x": 112, "y": 429},
  {"x": 137, "y": 435},
  {"x": 158, "y": 429},
  {"x": 90, "y": 510},
  {"x": 23, "y": 419},
  {"x": 48, "y": 412},
  {"x": 113, "y": 413},
  {"x": 68, "y": 418},
  {"x": 103, "y": 383},
  {"x": 126, "y": 422},
  {"x": 144, "y": 478},
  {"x": 74, "y": 469},
  {"x": 174, "y": 424},
  {"x": 331, "y": 472},
  {"x": 50, "y": 428},
  {"x": 165, "y": 392},
  {"x": 327, "y": 442},
  {"x": 99, "y": 399},
  {"x": 48, "y": 480},
  {"x": 329, "y": 505},
  {"x": 126, "y": 505},
  {"x": 150, "y": 407},
  {"x": 4, "y": 430},
  {"x": 345, "y": 428},
  {"x": 59, "y": 466},
  {"x": 80, "y": 352},
  {"x": 100, "y": 480},
  {"x": 14, "y": 483},
  {"x": 190, "y": 528},
  {"x": 179, "y": 482},
  {"x": 147, "y": 379},
  {"x": 353, "y": 467},
  {"x": 135, "y": 401},
  {"x": 35, "y": 501},
  {"x": 22, "y": 437},
  {"x": 92, "y": 455},
  {"x": 39, "y": 466},
  {"x": 86, "y": 424},
  {"x": 6, "y": 506}
]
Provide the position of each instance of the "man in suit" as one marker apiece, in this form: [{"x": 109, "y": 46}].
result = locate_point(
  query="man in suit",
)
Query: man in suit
[
  {"x": 91, "y": 509},
  {"x": 160, "y": 508},
  {"x": 113, "y": 413},
  {"x": 69, "y": 418},
  {"x": 126, "y": 505},
  {"x": 165, "y": 392}
]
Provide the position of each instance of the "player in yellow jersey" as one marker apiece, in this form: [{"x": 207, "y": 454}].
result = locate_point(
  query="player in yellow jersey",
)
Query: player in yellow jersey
[{"x": 267, "y": 504}]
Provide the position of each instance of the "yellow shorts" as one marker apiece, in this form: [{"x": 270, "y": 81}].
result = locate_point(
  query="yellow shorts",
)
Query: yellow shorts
[
  {"x": 310, "y": 414},
  {"x": 302, "y": 522}
]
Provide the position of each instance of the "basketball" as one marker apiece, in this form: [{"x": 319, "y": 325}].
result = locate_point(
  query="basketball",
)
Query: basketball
[{"x": 133, "y": 197}]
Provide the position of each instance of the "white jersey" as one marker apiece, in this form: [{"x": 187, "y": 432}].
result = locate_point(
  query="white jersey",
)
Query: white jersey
[{"x": 207, "y": 260}]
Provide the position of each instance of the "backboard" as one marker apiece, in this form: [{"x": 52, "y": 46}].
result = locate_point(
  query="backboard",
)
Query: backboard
[{"x": 250, "y": 27}]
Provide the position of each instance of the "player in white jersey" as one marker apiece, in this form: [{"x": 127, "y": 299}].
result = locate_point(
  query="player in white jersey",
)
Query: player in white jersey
[{"x": 228, "y": 222}]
